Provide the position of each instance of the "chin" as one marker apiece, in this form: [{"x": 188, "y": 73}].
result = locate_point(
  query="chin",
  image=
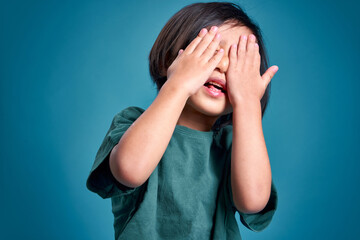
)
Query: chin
[{"x": 210, "y": 107}]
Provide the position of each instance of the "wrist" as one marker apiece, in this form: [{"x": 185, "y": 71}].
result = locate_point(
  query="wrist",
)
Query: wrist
[
  {"x": 247, "y": 105},
  {"x": 178, "y": 86},
  {"x": 171, "y": 88},
  {"x": 244, "y": 101}
]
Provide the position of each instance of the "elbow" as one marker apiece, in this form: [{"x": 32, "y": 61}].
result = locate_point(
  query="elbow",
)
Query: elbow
[
  {"x": 125, "y": 176},
  {"x": 251, "y": 205},
  {"x": 250, "y": 208},
  {"x": 125, "y": 173}
]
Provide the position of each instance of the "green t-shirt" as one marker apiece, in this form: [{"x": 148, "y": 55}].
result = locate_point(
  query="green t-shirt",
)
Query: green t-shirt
[{"x": 187, "y": 196}]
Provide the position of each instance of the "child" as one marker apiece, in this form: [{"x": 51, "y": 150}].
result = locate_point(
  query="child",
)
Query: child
[{"x": 182, "y": 168}]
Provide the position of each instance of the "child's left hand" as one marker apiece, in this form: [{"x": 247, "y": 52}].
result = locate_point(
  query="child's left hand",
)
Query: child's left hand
[{"x": 244, "y": 82}]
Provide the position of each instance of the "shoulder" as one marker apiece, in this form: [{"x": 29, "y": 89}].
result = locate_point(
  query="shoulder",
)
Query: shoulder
[
  {"x": 128, "y": 115},
  {"x": 100, "y": 179},
  {"x": 130, "y": 112}
]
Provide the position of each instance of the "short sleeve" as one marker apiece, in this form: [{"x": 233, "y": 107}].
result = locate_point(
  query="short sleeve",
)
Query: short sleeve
[
  {"x": 257, "y": 221},
  {"x": 100, "y": 179}
]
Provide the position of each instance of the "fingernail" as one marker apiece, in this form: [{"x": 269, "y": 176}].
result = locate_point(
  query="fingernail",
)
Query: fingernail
[
  {"x": 252, "y": 37},
  {"x": 203, "y": 31},
  {"x": 214, "y": 28}
]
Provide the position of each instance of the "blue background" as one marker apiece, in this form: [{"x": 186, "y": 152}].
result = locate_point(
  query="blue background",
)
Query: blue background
[{"x": 67, "y": 67}]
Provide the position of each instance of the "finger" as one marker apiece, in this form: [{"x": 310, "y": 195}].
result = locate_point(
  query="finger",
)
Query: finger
[
  {"x": 210, "y": 50},
  {"x": 250, "y": 43},
  {"x": 269, "y": 74},
  {"x": 179, "y": 53},
  {"x": 242, "y": 45},
  {"x": 233, "y": 55},
  {"x": 190, "y": 48},
  {"x": 205, "y": 41},
  {"x": 257, "y": 58},
  {"x": 214, "y": 61},
  {"x": 250, "y": 51}
]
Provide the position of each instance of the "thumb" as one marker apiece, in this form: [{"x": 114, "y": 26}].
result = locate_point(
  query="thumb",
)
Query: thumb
[{"x": 269, "y": 74}]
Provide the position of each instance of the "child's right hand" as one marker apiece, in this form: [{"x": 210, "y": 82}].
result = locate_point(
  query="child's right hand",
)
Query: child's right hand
[{"x": 194, "y": 65}]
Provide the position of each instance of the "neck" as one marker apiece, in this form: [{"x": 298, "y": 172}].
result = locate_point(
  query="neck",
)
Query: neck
[{"x": 196, "y": 120}]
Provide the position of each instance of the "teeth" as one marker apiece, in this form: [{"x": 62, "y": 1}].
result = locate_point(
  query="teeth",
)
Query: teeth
[{"x": 215, "y": 84}]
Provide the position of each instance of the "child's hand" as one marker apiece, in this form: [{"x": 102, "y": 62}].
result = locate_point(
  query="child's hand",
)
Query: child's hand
[
  {"x": 194, "y": 65},
  {"x": 244, "y": 81}
]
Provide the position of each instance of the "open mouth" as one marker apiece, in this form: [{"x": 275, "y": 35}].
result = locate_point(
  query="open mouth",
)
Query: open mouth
[{"x": 215, "y": 85}]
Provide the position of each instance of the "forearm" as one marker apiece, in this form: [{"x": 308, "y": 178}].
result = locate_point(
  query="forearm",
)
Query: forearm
[
  {"x": 141, "y": 147},
  {"x": 250, "y": 166}
]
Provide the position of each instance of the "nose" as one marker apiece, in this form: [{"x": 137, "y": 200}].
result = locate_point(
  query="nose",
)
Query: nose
[{"x": 223, "y": 64}]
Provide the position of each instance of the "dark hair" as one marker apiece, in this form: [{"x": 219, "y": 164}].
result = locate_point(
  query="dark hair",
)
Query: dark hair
[{"x": 185, "y": 25}]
